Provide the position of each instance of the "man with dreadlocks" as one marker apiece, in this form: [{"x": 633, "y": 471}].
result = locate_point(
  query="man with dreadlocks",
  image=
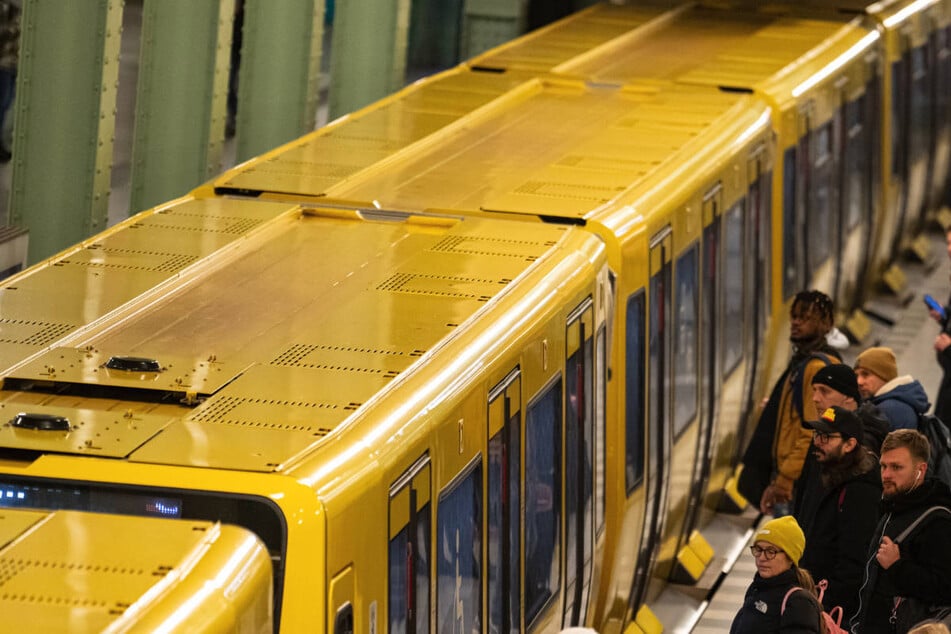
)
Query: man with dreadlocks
[{"x": 780, "y": 442}]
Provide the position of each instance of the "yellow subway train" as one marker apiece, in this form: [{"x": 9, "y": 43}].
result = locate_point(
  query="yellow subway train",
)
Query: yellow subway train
[{"x": 483, "y": 356}]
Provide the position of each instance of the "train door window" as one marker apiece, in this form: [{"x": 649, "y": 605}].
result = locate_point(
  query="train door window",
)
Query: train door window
[
  {"x": 503, "y": 504},
  {"x": 734, "y": 228},
  {"x": 579, "y": 460},
  {"x": 343, "y": 620},
  {"x": 600, "y": 417},
  {"x": 760, "y": 197},
  {"x": 659, "y": 414},
  {"x": 819, "y": 215},
  {"x": 542, "y": 500},
  {"x": 920, "y": 142},
  {"x": 791, "y": 281},
  {"x": 459, "y": 553},
  {"x": 856, "y": 169},
  {"x": 900, "y": 93},
  {"x": 634, "y": 392},
  {"x": 410, "y": 530},
  {"x": 686, "y": 324}
]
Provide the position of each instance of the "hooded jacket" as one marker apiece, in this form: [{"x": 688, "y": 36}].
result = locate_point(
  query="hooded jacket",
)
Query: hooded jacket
[
  {"x": 901, "y": 400},
  {"x": 923, "y": 570}
]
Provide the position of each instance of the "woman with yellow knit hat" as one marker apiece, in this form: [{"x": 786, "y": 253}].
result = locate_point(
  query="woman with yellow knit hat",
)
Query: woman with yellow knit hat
[{"x": 782, "y": 596}]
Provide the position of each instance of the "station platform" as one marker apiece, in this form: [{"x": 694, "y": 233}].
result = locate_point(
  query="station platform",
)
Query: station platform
[{"x": 911, "y": 335}]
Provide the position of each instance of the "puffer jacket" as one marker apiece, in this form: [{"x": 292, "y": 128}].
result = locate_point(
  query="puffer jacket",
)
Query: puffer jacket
[{"x": 762, "y": 613}]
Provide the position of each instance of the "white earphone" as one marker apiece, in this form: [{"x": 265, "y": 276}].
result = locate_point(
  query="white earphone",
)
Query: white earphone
[{"x": 917, "y": 475}]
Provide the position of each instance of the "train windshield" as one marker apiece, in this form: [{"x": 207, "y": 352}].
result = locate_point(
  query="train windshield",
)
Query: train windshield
[{"x": 257, "y": 514}]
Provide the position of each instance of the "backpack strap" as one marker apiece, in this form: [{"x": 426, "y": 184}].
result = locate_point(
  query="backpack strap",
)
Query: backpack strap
[
  {"x": 841, "y": 502},
  {"x": 919, "y": 520},
  {"x": 782, "y": 610}
]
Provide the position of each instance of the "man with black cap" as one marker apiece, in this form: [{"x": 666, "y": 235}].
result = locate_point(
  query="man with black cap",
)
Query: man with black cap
[
  {"x": 837, "y": 386},
  {"x": 845, "y": 506}
]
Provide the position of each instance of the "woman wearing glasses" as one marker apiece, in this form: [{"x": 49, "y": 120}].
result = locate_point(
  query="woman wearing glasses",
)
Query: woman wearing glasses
[{"x": 782, "y": 596}]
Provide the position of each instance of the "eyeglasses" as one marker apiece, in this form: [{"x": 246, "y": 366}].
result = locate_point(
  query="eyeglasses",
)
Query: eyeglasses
[
  {"x": 767, "y": 553},
  {"x": 823, "y": 436}
]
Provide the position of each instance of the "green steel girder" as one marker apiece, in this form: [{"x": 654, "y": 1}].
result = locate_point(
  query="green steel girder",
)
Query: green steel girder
[
  {"x": 181, "y": 97},
  {"x": 368, "y": 52},
  {"x": 280, "y": 69},
  {"x": 65, "y": 121}
]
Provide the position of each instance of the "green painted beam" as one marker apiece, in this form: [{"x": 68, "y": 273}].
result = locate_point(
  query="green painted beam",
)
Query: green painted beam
[
  {"x": 489, "y": 23},
  {"x": 368, "y": 52},
  {"x": 180, "y": 104},
  {"x": 65, "y": 120},
  {"x": 279, "y": 73}
]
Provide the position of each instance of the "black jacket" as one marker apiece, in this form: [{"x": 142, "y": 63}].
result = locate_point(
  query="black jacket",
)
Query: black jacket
[
  {"x": 838, "y": 533},
  {"x": 942, "y": 406},
  {"x": 923, "y": 570},
  {"x": 760, "y": 613}
]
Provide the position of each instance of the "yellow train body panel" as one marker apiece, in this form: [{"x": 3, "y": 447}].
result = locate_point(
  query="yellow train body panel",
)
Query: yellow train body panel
[
  {"x": 85, "y": 572},
  {"x": 483, "y": 354}
]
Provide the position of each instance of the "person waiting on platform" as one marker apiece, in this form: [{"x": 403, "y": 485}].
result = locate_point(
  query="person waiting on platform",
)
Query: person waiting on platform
[
  {"x": 845, "y": 507},
  {"x": 781, "y": 597},
  {"x": 774, "y": 458},
  {"x": 901, "y": 398},
  {"x": 942, "y": 346},
  {"x": 908, "y": 561}
]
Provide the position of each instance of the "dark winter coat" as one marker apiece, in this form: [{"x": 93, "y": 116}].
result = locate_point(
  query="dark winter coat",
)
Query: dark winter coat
[
  {"x": 902, "y": 401},
  {"x": 923, "y": 570},
  {"x": 942, "y": 406},
  {"x": 760, "y": 613},
  {"x": 838, "y": 532}
]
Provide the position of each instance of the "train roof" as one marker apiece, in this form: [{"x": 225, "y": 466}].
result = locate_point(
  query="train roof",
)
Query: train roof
[
  {"x": 730, "y": 49},
  {"x": 88, "y": 572},
  {"x": 552, "y": 148},
  {"x": 285, "y": 321}
]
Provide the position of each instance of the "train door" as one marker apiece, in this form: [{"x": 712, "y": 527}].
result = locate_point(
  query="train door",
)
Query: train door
[
  {"x": 758, "y": 240},
  {"x": 410, "y": 528},
  {"x": 658, "y": 441},
  {"x": 941, "y": 116},
  {"x": 579, "y": 462},
  {"x": 900, "y": 113},
  {"x": 503, "y": 504},
  {"x": 919, "y": 131},
  {"x": 709, "y": 386},
  {"x": 857, "y": 205},
  {"x": 822, "y": 206}
]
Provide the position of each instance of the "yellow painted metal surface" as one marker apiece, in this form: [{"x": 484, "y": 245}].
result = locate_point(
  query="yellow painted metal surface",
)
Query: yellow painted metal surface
[
  {"x": 608, "y": 140},
  {"x": 280, "y": 339},
  {"x": 370, "y": 137},
  {"x": 92, "y": 432},
  {"x": 111, "y": 271},
  {"x": 708, "y": 46},
  {"x": 82, "y": 572}
]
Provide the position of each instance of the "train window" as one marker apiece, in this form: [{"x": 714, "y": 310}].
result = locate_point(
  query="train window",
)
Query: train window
[
  {"x": 542, "y": 500},
  {"x": 502, "y": 507},
  {"x": 790, "y": 243},
  {"x": 819, "y": 213},
  {"x": 459, "y": 554},
  {"x": 685, "y": 346},
  {"x": 856, "y": 163},
  {"x": 410, "y": 525},
  {"x": 733, "y": 230},
  {"x": 899, "y": 91},
  {"x": 343, "y": 620},
  {"x": 634, "y": 391}
]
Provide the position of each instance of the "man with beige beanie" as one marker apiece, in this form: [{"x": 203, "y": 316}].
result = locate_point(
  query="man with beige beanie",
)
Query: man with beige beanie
[{"x": 901, "y": 398}]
